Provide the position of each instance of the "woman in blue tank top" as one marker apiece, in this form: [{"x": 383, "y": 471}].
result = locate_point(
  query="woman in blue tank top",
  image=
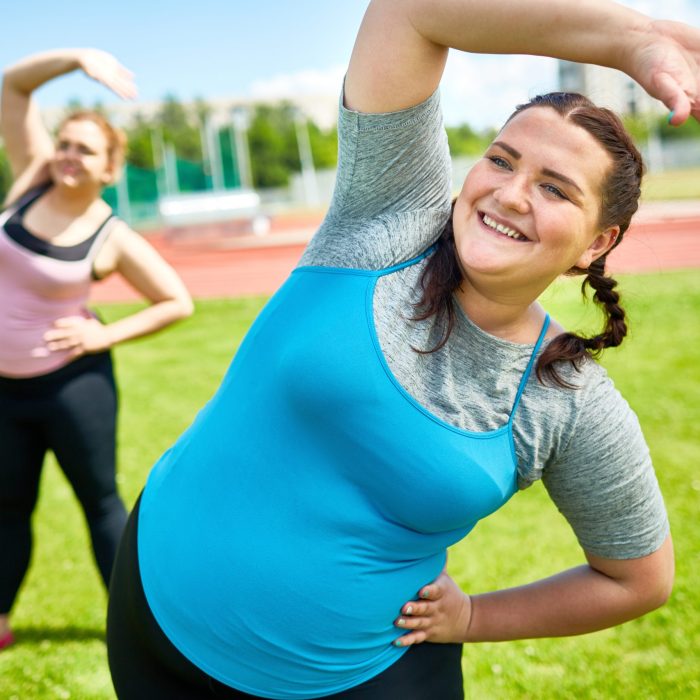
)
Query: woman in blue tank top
[{"x": 404, "y": 383}]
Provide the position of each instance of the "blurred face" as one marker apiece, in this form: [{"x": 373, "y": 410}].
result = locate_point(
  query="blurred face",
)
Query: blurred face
[
  {"x": 529, "y": 209},
  {"x": 81, "y": 156}
]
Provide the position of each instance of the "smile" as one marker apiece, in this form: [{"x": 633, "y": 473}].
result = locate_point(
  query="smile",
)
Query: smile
[{"x": 505, "y": 230}]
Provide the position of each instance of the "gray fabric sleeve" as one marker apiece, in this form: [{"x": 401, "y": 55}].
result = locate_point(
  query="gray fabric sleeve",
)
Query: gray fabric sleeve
[
  {"x": 604, "y": 483},
  {"x": 392, "y": 190}
]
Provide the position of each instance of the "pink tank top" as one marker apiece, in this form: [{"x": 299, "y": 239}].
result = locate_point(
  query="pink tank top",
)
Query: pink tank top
[{"x": 39, "y": 283}]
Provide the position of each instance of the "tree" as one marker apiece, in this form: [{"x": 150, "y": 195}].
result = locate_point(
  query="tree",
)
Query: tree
[
  {"x": 5, "y": 175},
  {"x": 179, "y": 129},
  {"x": 274, "y": 152},
  {"x": 464, "y": 140},
  {"x": 140, "y": 143},
  {"x": 324, "y": 146}
]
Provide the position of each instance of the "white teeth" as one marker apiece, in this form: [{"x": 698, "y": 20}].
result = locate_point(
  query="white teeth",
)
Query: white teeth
[{"x": 511, "y": 233}]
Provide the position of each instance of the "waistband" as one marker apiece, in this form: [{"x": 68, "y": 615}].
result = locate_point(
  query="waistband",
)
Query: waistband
[{"x": 43, "y": 384}]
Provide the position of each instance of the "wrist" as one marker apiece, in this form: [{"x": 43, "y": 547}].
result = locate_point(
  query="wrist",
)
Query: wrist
[{"x": 467, "y": 617}]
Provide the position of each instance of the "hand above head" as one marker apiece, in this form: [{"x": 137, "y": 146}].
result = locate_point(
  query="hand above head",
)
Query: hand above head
[
  {"x": 106, "y": 69},
  {"x": 666, "y": 63},
  {"x": 442, "y": 614}
]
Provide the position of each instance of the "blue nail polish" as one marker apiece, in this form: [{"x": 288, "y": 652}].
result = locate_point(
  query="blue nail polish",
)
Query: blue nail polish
[
  {"x": 398, "y": 643},
  {"x": 671, "y": 115}
]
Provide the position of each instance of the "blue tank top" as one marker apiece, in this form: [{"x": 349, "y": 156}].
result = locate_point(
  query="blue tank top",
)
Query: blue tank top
[{"x": 310, "y": 499}]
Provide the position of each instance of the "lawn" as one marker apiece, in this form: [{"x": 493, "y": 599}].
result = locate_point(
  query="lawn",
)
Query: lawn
[
  {"x": 164, "y": 380},
  {"x": 672, "y": 184}
]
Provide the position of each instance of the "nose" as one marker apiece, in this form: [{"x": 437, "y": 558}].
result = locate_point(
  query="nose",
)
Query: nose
[{"x": 513, "y": 194}]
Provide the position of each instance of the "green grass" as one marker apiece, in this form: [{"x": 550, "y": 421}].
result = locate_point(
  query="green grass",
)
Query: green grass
[
  {"x": 164, "y": 380},
  {"x": 672, "y": 184}
]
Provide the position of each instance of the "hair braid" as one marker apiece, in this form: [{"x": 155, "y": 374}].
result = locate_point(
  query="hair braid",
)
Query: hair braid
[
  {"x": 573, "y": 347},
  {"x": 621, "y": 189}
]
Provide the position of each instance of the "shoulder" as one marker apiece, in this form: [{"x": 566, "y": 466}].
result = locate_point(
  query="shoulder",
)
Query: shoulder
[{"x": 120, "y": 242}]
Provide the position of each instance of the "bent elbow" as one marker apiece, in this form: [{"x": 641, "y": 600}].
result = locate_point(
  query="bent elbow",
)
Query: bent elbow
[
  {"x": 186, "y": 307},
  {"x": 662, "y": 591},
  {"x": 657, "y": 590}
]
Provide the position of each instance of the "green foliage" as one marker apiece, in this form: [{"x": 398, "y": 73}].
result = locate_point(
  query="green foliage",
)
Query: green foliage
[
  {"x": 140, "y": 143},
  {"x": 324, "y": 146},
  {"x": 5, "y": 174},
  {"x": 180, "y": 129},
  {"x": 165, "y": 379},
  {"x": 638, "y": 126},
  {"x": 689, "y": 130},
  {"x": 465, "y": 141},
  {"x": 273, "y": 145}
]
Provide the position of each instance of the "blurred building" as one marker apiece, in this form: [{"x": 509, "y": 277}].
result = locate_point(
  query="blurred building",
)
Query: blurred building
[
  {"x": 322, "y": 109},
  {"x": 608, "y": 88}
]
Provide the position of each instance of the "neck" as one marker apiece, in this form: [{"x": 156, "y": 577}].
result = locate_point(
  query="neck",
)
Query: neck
[
  {"x": 516, "y": 317},
  {"x": 73, "y": 201}
]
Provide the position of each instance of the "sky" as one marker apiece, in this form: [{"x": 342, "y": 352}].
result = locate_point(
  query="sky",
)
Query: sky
[{"x": 264, "y": 48}]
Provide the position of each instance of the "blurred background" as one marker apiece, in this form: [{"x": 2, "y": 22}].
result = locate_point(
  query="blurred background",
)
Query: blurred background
[{"x": 235, "y": 121}]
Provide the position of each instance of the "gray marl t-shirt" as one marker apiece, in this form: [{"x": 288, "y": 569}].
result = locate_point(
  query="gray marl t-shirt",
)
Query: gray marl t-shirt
[{"x": 391, "y": 201}]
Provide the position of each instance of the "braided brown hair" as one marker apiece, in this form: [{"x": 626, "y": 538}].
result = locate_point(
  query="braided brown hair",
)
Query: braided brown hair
[{"x": 620, "y": 200}]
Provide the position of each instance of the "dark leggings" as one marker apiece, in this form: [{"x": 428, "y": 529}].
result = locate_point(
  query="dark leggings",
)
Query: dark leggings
[
  {"x": 72, "y": 412},
  {"x": 146, "y": 666}
]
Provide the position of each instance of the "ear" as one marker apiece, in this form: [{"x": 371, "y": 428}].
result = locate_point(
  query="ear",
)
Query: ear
[
  {"x": 601, "y": 245},
  {"x": 111, "y": 175}
]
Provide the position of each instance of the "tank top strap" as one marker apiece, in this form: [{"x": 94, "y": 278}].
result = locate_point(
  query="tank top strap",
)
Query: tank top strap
[
  {"x": 408, "y": 263},
  {"x": 528, "y": 369},
  {"x": 99, "y": 237},
  {"x": 19, "y": 205}
]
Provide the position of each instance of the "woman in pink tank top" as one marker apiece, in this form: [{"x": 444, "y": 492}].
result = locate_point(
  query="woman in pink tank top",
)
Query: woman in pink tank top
[{"x": 57, "y": 234}]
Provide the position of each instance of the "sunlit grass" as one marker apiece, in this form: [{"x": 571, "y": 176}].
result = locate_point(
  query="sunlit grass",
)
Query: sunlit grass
[
  {"x": 672, "y": 184},
  {"x": 164, "y": 381}
]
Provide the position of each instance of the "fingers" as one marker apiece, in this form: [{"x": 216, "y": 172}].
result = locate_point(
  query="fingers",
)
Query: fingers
[
  {"x": 410, "y": 639},
  {"x": 69, "y": 322},
  {"x": 105, "y": 69},
  {"x": 675, "y": 99},
  {"x": 62, "y": 343},
  {"x": 417, "y": 624}
]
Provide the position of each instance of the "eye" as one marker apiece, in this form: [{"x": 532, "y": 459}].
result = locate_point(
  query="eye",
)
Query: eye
[
  {"x": 499, "y": 162},
  {"x": 555, "y": 191},
  {"x": 62, "y": 146}
]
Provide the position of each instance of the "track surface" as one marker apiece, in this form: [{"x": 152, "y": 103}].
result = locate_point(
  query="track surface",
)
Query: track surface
[{"x": 216, "y": 262}]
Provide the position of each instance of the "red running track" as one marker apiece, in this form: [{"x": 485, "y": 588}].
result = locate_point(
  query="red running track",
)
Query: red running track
[{"x": 214, "y": 264}]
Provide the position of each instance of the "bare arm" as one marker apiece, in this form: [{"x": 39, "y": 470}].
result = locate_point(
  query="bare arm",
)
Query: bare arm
[
  {"x": 604, "y": 593},
  {"x": 402, "y": 45},
  {"x": 28, "y": 143},
  {"x": 138, "y": 262}
]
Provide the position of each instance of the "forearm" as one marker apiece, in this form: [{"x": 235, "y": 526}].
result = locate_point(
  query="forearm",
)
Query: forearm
[
  {"x": 151, "y": 319},
  {"x": 590, "y": 31},
  {"x": 33, "y": 71},
  {"x": 574, "y": 602}
]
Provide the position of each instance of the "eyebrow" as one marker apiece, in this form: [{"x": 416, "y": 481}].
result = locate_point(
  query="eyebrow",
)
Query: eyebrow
[{"x": 545, "y": 171}]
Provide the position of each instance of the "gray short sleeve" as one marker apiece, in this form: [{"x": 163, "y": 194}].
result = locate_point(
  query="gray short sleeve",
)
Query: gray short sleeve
[
  {"x": 603, "y": 481},
  {"x": 392, "y": 192}
]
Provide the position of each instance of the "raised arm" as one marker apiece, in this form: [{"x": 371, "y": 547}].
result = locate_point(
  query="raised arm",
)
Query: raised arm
[
  {"x": 402, "y": 46},
  {"x": 28, "y": 143}
]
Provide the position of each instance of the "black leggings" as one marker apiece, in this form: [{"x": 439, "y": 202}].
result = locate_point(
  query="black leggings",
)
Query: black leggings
[
  {"x": 146, "y": 666},
  {"x": 72, "y": 412}
]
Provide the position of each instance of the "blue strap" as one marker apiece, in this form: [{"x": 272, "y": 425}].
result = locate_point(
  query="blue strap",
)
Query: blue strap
[
  {"x": 408, "y": 263},
  {"x": 528, "y": 370}
]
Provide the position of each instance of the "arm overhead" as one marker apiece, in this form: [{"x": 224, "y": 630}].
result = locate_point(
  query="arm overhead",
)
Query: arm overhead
[
  {"x": 28, "y": 143},
  {"x": 402, "y": 46}
]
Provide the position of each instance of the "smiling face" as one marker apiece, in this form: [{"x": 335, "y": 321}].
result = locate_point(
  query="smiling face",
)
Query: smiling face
[
  {"x": 81, "y": 157},
  {"x": 529, "y": 210}
]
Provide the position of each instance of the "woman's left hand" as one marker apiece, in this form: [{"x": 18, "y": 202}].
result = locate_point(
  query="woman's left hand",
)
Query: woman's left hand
[
  {"x": 442, "y": 614},
  {"x": 78, "y": 335}
]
